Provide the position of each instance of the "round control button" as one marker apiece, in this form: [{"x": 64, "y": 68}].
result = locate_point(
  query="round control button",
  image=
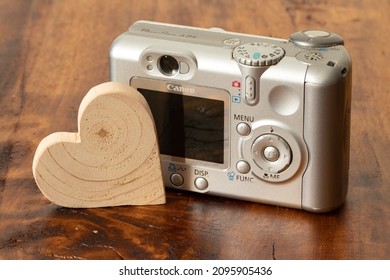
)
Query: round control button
[
  {"x": 258, "y": 54},
  {"x": 243, "y": 167},
  {"x": 177, "y": 180},
  {"x": 201, "y": 183},
  {"x": 271, "y": 153},
  {"x": 243, "y": 129}
]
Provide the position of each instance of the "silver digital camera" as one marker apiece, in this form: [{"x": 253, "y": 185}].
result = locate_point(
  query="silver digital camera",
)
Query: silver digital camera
[{"x": 243, "y": 116}]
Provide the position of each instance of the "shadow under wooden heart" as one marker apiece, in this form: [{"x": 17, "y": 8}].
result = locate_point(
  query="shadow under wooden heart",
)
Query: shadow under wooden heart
[{"x": 113, "y": 159}]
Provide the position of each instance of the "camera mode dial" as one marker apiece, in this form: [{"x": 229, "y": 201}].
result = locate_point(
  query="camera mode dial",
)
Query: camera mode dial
[{"x": 258, "y": 54}]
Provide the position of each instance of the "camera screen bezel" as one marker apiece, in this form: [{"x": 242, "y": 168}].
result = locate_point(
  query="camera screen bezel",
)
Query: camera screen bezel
[{"x": 161, "y": 86}]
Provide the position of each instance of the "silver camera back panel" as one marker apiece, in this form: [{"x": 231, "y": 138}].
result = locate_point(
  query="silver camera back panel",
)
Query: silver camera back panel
[{"x": 242, "y": 116}]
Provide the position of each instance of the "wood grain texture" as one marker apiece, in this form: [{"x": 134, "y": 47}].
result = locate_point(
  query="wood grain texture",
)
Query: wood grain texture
[
  {"x": 52, "y": 52},
  {"x": 112, "y": 160}
]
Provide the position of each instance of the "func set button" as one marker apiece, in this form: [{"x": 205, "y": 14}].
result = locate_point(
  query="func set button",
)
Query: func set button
[{"x": 243, "y": 167}]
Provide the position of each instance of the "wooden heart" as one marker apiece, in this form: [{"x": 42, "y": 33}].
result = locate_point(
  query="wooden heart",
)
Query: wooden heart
[{"x": 113, "y": 159}]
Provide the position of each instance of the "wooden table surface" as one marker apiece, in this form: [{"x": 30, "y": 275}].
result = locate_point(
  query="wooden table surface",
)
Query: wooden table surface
[{"x": 53, "y": 52}]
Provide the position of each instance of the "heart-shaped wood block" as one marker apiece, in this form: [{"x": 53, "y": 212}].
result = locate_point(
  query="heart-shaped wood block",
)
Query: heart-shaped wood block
[{"x": 113, "y": 159}]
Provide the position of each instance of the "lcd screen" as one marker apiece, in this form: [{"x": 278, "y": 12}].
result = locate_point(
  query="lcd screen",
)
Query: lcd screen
[{"x": 188, "y": 126}]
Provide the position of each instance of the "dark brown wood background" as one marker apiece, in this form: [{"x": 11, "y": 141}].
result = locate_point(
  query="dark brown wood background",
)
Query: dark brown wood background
[{"x": 53, "y": 52}]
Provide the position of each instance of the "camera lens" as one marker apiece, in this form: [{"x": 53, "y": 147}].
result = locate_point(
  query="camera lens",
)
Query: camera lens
[{"x": 168, "y": 65}]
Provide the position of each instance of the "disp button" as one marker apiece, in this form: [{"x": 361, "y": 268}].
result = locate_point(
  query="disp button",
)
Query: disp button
[{"x": 201, "y": 183}]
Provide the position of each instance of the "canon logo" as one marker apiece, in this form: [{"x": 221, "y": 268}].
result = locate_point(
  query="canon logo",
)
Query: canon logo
[{"x": 179, "y": 88}]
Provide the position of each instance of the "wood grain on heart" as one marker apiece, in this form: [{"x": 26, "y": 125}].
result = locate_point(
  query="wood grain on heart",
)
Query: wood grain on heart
[{"x": 113, "y": 159}]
